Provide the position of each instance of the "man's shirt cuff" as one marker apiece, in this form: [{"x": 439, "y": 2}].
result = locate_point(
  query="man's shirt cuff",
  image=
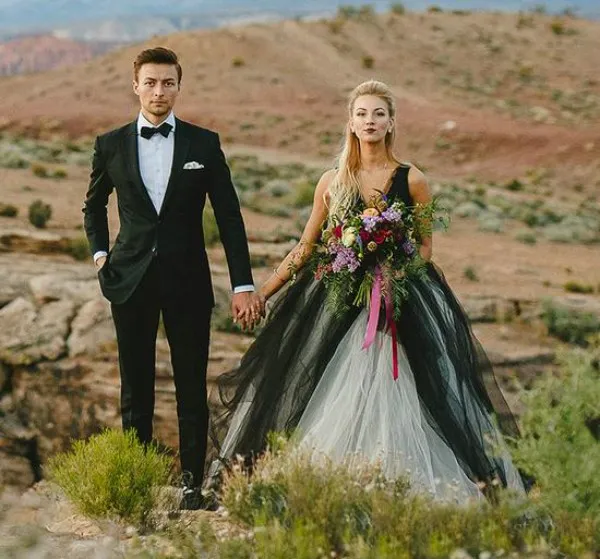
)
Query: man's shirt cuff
[{"x": 243, "y": 288}]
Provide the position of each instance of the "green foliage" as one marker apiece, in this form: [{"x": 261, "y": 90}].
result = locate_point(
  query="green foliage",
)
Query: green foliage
[
  {"x": 559, "y": 27},
  {"x": 368, "y": 61},
  {"x": 514, "y": 185},
  {"x": 302, "y": 506},
  {"x": 112, "y": 475},
  {"x": 79, "y": 247},
  {"x": 237, "y": 62},
  {"x": 40, "y": 170},
  {"x": 211, "y": 230},
  {"x": 39, "y": 213},
  {"x": 347, "y": 12},
  {"x": 539, "y": 9},
  {"x": 470, "y": 273},
  {"x": 8, "y": 210},
  {"x": 435, "y": 9},
  {"x": 569, "y": 325},
  {"x": 398, "y": 8},
  {"x": 304, "y": 195},
  {"x": 561, "y": 432},
  {"x": 526, "y": 237},
  {"x": 576, "y": 287},
  {"x": 59, "y": 174}
]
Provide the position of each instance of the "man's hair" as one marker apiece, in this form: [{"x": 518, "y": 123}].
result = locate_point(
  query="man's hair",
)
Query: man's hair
[{"x": 157, "y": 55}]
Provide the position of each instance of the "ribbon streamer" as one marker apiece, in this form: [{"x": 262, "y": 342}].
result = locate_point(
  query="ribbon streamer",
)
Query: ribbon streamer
[{"x": 389, "y": 318}]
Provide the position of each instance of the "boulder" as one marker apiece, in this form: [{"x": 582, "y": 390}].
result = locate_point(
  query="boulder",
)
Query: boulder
[
  {"x": 29, "y": 335},
  {"x": 92, "y": 330},
  {"x": 53, "y": 287}
]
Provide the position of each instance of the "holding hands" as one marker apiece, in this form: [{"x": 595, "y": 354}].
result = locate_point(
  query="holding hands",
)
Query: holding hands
[{"x": 247, "y": 309}]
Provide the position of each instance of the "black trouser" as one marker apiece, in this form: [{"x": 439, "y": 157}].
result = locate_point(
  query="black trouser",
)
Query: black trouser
[{"x": 186, "y": 319}]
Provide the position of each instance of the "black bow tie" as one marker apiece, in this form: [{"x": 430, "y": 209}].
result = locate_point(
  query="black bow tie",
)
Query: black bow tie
[{"x": 149, "y": 131}]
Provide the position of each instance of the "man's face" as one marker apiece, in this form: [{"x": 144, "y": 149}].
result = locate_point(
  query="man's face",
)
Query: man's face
[{"x": 157, "y": 87}]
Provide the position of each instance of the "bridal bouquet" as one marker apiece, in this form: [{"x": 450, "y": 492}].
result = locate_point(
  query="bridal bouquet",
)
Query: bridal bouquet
[{"x": 367, "y": 258}]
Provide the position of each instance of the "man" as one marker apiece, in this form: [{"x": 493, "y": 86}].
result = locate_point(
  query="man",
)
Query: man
[{"x": 162, "y": 170}]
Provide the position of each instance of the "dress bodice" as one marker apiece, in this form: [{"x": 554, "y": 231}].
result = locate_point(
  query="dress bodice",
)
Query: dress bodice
[{"x": 399, "y": 187}]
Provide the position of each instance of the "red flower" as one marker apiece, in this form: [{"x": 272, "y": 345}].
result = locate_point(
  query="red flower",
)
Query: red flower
[
  {"x": 337, "y": 231},
  {"x": 380, "y": 236},
  {"x": 365, "y": 236}
]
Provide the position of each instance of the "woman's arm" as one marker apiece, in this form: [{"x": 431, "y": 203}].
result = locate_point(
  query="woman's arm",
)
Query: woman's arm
[
  {"x": 298, "y": 256},
  {"x": 420, "y": 193}
]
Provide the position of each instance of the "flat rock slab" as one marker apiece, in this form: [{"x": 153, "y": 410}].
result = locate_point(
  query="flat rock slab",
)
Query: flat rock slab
[{"x": 29, "y": 335}]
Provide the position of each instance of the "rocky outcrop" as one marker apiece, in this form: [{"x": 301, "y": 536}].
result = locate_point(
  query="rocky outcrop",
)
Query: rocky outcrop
[{"x": 59, "y": 376}]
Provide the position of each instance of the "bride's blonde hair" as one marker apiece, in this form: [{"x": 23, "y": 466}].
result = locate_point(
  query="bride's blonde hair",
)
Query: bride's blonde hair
[{"x": 344, "y": 190}]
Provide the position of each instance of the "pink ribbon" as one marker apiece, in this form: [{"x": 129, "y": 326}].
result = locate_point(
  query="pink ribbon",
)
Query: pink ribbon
[
  {"x": 374, "y": 319},
  {"x": 374, "y": 310}
]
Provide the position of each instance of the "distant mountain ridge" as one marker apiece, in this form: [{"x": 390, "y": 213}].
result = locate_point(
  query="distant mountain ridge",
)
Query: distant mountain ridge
[
  {"x": 139, "y": 19},
  {"x": 37, "y": 53}
]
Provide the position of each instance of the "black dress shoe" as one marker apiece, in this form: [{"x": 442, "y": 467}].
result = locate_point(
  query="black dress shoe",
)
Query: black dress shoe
[{"x": 194, "y": 499}]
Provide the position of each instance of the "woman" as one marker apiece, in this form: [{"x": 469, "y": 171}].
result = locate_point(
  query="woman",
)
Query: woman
[{"x": 307, "y": 372}]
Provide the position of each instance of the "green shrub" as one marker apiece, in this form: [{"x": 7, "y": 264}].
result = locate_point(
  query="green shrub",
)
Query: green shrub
[
  {"x": 211, "y": 230},
  {"x": 560, "y": 437},
  {"x": 435, "y": 9},
  {"x": 237, "y": 62},
  {"x": 307, "y": 508},
  {"x": 514, "y": 185},
  {"x": 59, "y": 174},
  {"x": 524, "y": 20},
  {"x": 346, "y": 12},
  {"x": 398, "y": 8},
  {"x": 526, "y": 237},
  {"x": 368, "y": 61},
  {"x": 112, "y": 475},
  {"x": 576, "y": 287},
  {"x": 79, "y": 247},
  {"x": 558, "y": 27},
  {"x": 40, "y": 170},
  {"x": 39, "y": 213},
  {"x": 11, "y": 160},
  {"x": 305, "y": 193},
  {"x": 470, "y": 274},
  {"x": 8, "y": 210},
  {"x": 569, "y": 325}
]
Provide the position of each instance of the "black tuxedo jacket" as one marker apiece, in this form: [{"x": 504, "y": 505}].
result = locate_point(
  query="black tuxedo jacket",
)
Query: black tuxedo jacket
[{"x": 174, "y": 236}]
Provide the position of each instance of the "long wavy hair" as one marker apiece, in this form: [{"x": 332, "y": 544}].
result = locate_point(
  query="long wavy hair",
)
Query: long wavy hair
[{"x": 344, "y": 190}]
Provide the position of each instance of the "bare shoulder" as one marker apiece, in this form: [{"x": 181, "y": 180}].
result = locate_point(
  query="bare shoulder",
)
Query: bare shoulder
[
  {"x": 417, "y": 185},
  {"x": 416, "y": 177},
  {"x": 322, "y": 189},
  {"x": 327, "y": 178}
]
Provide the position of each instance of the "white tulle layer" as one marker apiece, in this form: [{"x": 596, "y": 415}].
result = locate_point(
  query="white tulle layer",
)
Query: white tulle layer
[{"x": 358, "y": 411}]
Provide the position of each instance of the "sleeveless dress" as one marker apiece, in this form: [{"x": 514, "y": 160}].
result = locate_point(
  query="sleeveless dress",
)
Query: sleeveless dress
[{"x": 440, "y": 424}]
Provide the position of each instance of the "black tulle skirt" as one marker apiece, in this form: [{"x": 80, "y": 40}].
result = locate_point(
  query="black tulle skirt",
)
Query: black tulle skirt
[{"x": 443, "y": 421}]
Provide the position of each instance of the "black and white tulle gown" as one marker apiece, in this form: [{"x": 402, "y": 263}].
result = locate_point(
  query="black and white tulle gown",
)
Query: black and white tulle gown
[{"x": 441, "y": 423}]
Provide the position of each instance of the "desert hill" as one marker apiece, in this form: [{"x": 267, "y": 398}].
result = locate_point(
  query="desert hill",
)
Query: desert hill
[
  {"x": 476, "y": 91},
  {"x": 38, "y": 53}
]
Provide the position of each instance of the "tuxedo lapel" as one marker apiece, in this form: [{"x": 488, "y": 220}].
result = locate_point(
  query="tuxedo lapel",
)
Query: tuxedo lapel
[
  {"x": 180, "y": 151},
  {"x": 132, "y": 162}
]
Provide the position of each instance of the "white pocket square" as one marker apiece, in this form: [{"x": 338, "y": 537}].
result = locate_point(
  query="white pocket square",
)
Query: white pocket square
[{"x": 193, "y": 165}]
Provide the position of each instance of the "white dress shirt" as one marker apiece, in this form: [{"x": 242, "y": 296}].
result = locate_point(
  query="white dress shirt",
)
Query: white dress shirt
[
  {"x": 155, "y": 160},
  {"x": 155, "y": 156}
]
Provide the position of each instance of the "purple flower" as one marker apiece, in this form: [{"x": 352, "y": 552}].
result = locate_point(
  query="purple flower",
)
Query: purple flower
[
  {"x": 345, "y": 259},
  {"x": 370, "y": 223},
  {"x": 392, "y": 216},
  {"x": 408, "y": 247}
]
